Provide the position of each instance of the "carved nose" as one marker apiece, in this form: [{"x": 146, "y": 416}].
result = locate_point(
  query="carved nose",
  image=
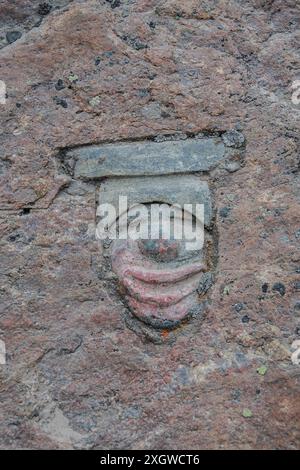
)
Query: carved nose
[{"x": 160, "y": 249}]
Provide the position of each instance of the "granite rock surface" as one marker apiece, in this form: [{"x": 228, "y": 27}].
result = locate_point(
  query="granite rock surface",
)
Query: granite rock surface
[{"x": 80, "y": 373}]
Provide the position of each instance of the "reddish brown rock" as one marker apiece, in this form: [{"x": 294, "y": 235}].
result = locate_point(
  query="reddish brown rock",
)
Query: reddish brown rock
[{"x": 80, "y": 372}]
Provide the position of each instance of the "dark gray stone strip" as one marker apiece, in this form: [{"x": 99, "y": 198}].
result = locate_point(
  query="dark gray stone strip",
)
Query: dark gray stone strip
[{"x": 148, "y": 158}]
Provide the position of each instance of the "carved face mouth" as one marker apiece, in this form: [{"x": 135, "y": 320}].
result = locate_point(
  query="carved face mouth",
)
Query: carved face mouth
[{"x": 159, "y": 293}]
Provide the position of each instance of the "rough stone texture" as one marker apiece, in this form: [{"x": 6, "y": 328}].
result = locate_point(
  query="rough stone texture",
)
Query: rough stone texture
[
  {"x": 147, "y": 158},
  {"x": 78, "y": 375},
  {"x": 179, "y": 189}
]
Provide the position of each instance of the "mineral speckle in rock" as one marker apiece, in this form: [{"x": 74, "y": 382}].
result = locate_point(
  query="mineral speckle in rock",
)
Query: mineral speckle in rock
[
  {"x": 239, "y": 307},
  {"x": 265, "y": 287},
  {"x": 44, "y": 9},
  {"x": 60, "y": 101},
  {"x": 12, "y": 36},
  {"x": 245, "y": 319},
  {"x": 205, "y": 283},
  {"x": 279, "y": 287},
  {"x": 59, "y": 85},
  {"x": 233, "y": 138},
  {"x": 135, "y": 42},
  {"x": 224, "y": 212},
  {"x": 114, "y": 3}
]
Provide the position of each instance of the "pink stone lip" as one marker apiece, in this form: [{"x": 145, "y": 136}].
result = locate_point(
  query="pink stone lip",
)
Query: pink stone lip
[
  {"x": 161, "y": 294},
  {"x": 163, "y": 275}
]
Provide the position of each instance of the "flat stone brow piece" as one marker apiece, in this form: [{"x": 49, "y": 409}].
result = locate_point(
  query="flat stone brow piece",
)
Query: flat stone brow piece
[
  {"x": 147, "y": 158},
  {"x": 171, "y": 190}
]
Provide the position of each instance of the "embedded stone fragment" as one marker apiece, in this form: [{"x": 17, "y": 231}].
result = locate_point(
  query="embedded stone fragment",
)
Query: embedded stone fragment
[
  {"x": 148, "y": 158},
  {"x": 188, "y": 189}
]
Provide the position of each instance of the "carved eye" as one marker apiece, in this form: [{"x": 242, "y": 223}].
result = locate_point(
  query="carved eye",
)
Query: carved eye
[{"x": 162, "y": 236}]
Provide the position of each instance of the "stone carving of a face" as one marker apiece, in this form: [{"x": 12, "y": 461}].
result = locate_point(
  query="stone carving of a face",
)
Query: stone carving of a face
[
  {"x": 160, "y": 276},
  {"x": 162, "y": 282}
]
